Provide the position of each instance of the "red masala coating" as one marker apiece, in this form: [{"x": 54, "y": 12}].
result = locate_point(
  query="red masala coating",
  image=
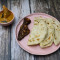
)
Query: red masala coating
[{"x": 24, "y": 30}]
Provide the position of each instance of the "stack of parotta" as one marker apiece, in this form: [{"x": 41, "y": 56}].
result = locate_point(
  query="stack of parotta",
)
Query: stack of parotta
[{"x": 45, "y": 32}]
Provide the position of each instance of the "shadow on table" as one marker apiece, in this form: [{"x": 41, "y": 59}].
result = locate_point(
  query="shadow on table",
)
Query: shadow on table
[{"x": 52, "y": 56}]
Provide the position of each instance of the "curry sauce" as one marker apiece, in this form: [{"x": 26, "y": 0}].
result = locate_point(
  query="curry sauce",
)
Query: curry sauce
[{"x": 6, "y": 15}]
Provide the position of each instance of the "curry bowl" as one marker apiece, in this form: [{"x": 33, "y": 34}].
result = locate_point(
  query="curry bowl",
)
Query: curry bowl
[{"x": 7, "y": 23}]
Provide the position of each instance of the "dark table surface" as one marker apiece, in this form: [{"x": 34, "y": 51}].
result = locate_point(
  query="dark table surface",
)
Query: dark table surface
[{"x": 9, "y": 49}]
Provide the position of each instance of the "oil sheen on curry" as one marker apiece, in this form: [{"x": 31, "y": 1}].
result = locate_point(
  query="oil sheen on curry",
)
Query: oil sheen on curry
[{"x": 6, "y": 15}]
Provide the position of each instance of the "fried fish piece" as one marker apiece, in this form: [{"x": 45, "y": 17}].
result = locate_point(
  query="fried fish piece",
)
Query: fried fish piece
[
  {"x": 27, "y": 21},
  {"x": 24, "y": 30}
]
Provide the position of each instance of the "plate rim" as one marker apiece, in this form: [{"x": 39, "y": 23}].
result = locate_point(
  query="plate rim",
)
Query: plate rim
[{"x": 25, "y": 48}]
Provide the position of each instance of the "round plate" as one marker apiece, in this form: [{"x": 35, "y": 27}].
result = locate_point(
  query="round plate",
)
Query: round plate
[{"x": 36, "y": 50}]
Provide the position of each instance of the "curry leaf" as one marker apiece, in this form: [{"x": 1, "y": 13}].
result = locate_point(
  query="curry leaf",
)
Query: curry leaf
[
  {"x": 2, "y": 15},
  {"x": 4, "y": 21}
]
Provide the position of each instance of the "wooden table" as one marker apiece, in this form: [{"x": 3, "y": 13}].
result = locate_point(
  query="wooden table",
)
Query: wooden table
[{"x": 9, "y": 49}]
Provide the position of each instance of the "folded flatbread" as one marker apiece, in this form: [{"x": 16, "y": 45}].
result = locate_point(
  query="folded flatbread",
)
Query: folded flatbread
[
  {"x": 38, "y": 32},
  {"x": 50, "y": 36},
  {"x": 56, "y": 25}
]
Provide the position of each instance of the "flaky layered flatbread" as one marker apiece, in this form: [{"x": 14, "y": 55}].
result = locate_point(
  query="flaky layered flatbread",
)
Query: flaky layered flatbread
[
  {"x": 50, "y": 37},
  {"x": 38, "y": 32}
]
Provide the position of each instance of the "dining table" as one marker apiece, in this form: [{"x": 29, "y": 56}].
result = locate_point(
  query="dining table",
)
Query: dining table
[{"x": 9, "y": 48}]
